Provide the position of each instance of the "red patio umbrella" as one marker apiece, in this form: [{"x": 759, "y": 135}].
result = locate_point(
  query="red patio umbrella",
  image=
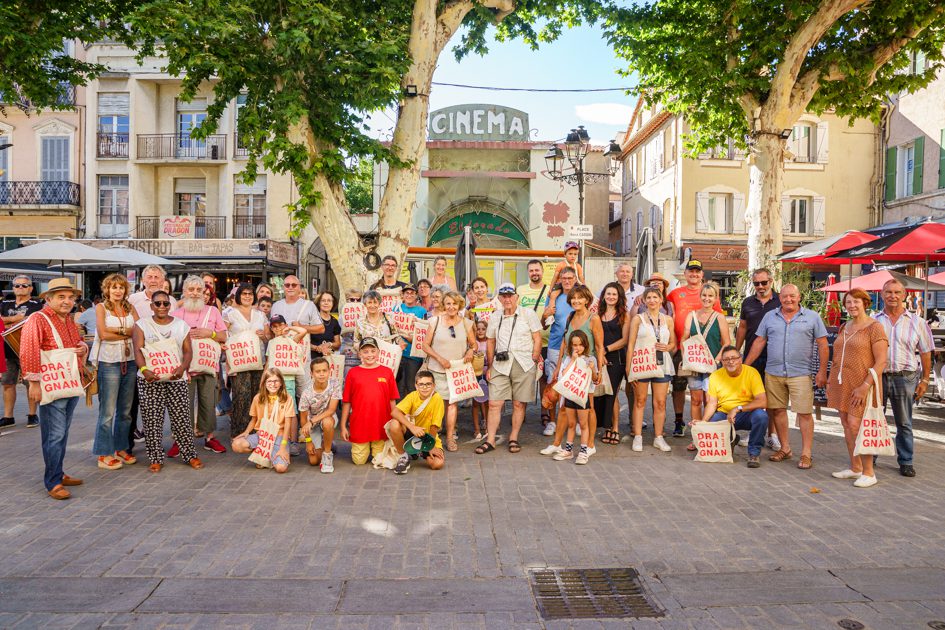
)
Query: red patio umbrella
[
  {"x": 834, "y": 311},
  {"x": 875, "y": 281},
  {"x": 920, "y": 243},
  {"x": 821, "y": 251}
]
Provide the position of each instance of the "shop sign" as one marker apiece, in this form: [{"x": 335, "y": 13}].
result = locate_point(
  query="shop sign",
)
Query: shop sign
[
  {"x": 479, "y": 123},
  {"x": 284, "y": 253},
  {"x": 480, "y": 223},
  {"x": 177, "y": 227}
]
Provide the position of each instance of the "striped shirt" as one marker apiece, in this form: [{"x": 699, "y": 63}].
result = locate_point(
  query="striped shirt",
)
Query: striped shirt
[
  {"x": 38, "y": 336},
  {"x": 909, "y": 335}
]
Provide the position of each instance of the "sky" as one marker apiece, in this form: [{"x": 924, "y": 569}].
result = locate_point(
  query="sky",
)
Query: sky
[{"x": 580, "y": 59}]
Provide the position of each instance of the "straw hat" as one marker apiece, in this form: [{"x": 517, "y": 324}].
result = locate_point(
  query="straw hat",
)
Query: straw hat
[
  {"x": 657, "y": 276},
  {"x": 60, "y": 284}
]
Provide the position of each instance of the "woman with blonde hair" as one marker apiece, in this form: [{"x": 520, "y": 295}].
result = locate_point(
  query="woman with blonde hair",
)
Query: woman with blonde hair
[
  {"x": 714, "y": 330},
  {"x": 440, "y": 277},
  {"x": 112, "y": 351}
]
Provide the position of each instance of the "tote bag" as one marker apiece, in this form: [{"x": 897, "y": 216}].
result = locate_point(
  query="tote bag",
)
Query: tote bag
[
  {"x": 350, "y": 313},
  {"x": 267, "y": 430},
  {"x": 286, "y": 356},
  {"x": 59, "y": 370},
  {"x": 390, "y": 299},
  {"x": 644, "y": 359},
  {"x": 336, "y": 367},
  {"x": 244, "y": 352},
  {"x": 873, "y": 437},
  {"x": 421, "y": 328},
  {"x": 605, "y": 388},
  {"x": 713, "y": 441},
  {"x": 206, "y": 358},
  {"x": 389, "y": 354},
  {"x": 462, "y": 381},
  {"x": 404, "y": 323},
  {"x": 574, "y": 383},
  {"x": 696, "y": 354}
]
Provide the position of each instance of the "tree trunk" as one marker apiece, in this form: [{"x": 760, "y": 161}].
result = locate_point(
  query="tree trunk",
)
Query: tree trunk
[{"x": 763, "y": 210}]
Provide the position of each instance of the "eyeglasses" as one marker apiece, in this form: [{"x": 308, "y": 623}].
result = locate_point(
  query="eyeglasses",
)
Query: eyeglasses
[
  {"x": 761, "y": 283},
  {"x": 424, "y": 384},
  {"x": 161, "y": 304},
  {"x": 289, "y": 284},
  {"x": 273, "y": 381},
  {"x": 452, "y": 330},
  {"x": 731, "y": 359},
  {"x": 21, "y": 286}
]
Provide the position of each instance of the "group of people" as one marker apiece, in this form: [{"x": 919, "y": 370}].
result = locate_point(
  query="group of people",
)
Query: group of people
[{"x": 292, "y": 378}]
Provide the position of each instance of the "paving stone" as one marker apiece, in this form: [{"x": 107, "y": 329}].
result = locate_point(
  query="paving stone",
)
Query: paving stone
[
  {"x": 53, "y": 594},
  {"x": 207, "y": 595}
]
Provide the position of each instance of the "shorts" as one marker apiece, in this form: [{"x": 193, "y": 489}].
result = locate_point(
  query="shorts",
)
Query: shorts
[
  {"x": 442, "y": 386},
  {"x": 362, "y": 451},
  {"x": 551, "y": 362},
  {"x": 12, "y": 374},
  {"x": 570, "y": 404},
  {"x": 518, "y": 386},
  {"x": 253, "y": 439},
  {"x": 797, "y": 389},
  {"x": 318, "y": 435},
  {"x": 698, "y": 382},
  {"x": 680, "y": 383},
  {"x": 655, "y": 379}
]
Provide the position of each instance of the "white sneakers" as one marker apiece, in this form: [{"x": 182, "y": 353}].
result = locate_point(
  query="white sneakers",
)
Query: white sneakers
[
  {"x": 865, "y": 482},
  {"x": 861, "y": 480},
  {"x": 660, "y": 443},
  {"x": 582, "y": 458},
  {"x": 551, "y": 449},
  {"x": 637, "y": 443},
  {"x": 773, "y": 442},
  {"x": 562, "y": 455},
  {"x": 846, "y": 474},
  {"x": 549, "y": 429},
  {"x": 328, "y": 462}
]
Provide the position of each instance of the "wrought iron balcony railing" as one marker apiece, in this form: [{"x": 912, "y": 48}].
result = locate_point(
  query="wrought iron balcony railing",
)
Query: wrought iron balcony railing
[
  {"x": 249, "y": 227},
  {"x": 57, "y": 193},
  {"x": 181, "y": 147},
  {"x": 112, "y": 145},
  {"x": 204, "y": 227}
]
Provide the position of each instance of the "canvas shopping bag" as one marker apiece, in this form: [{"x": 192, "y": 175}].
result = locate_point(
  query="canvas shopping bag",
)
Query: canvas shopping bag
[
  {"x": 162, "y": 357},
  {"x": 713, "y": 441},
  {"x": 59, "y": 371},
  {"x": 390, "y": 299},
  {"x": 574, "y": 382},
  {"x": 286, "y": 356},
  {"x": 206, "y": 359},
  {"x": 421, "y": 328},
  {"x": 244, "y": 352},
  {"x": 267, "y": 431},
  {"x": 404, "y": 323},
  {"x": 644, "y": 363},
  {"x": 350, "y": 313},
  {"x": 387, "y": 458},
  {"x": 336, "y": 367},
  {"x": 605, "y": 388},
  {"x": 696, "y": 355},
  {"x": 873, "y": 437},
  {"x": 389, "y": 354},
  {"x": 462, "y": 381}
]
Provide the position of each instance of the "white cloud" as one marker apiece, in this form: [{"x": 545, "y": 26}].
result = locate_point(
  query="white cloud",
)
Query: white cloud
[{"x": 604, "y": 113}]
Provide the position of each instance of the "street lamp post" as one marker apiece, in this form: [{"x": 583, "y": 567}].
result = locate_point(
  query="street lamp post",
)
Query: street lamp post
[{"x": 568, "y": 166}]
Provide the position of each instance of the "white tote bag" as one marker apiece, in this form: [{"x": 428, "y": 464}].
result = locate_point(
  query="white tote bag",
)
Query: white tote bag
[
  {"x": 421, "y": 328},
  {"x": 713, "y": 441},
  {"x": 389, "y": 354},
  {"x": 206, "y": 359},
  {"x": 286, "y": 356},
  {"x": 574, "y": 382},
  {"x": 244, "y": 352},
  {"x": 462, "y": 381},
  {"x": 873, "y": 437},
  {"x": 645, "y": 359},
  {"x": 404, "y": 323},
  {"x": 390, "y": 299},
  {"x": 350, "y": 313},
  {"x": 696, "y": 354},
  {"x": 336, "y": 367},
  {"x": 605, "y": 388},
  {"x": 267, "y": 431},
  {"x": 59, "y": 370}
]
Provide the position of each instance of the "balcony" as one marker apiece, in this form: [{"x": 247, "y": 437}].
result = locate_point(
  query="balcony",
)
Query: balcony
[
  {"x": 204, "y": 227},
  {"x": 249, "y": 227},
  {"x": 239, "y": 151},
  {"x": 19, "y": 193},
  {"x": 169, "y": 146},
  {"x": 111, "y": 145}
]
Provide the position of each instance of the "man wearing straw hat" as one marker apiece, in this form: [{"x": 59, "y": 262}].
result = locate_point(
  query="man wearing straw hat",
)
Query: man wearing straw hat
[{"x": 56, "y": 416}]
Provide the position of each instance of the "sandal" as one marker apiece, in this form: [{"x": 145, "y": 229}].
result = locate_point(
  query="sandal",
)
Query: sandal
[
  {"x": 781, "y": 455},
  {"x": 806, "y": 462},
  {"x": 484, "y": 448},
  {"x": 451, "y": 444},
  {"x": 514, "y": 446},
  {"x": 611, "y": 437}
]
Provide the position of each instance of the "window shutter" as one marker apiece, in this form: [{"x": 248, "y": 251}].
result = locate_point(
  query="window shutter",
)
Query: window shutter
[
  {"x": 196, "y": 105},
  {"x": 258, "y": 187},
  {"x": 55, "y": 159},
  {"x": 917, "y": 161},
  {"x": 891, "y": 175},
  {"x": 738, "y": 213},
  {"x": 941, "y": 160},
  {"x": 196, "y": 185},
  {"x": 702, "y": 212},
  {"x": 919, "y": 62},
  {"x": 821, "y": 139},
  {"x": 786, "y": 214},
  {"x": 819, "y": 217},
  {"x": 113, "y": 103},
  {"x": 5, "y": 160}
]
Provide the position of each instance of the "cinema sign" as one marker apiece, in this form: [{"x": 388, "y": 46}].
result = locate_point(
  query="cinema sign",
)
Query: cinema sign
[{"x": 479, "y": 123}]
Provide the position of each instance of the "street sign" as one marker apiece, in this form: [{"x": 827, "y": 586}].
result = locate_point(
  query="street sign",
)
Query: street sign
[{"x": 581, "y": 232}]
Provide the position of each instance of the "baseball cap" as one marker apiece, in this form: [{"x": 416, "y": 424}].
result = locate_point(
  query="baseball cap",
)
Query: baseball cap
[
  {"x": 571, "y": 245},
  {"x": 416, "y": 445},
  {"x": 694, "y": 264},
  {"x": 368, "y": 341},
  {"x": 506, "y": 288},
  {"x": 408, "y": 287},
  {"x": 277, "y": 319}
]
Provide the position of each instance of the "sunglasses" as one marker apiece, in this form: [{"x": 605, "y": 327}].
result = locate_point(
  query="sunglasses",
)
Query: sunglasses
[
  {"x": 289, "y": 284},
  {"x": 161, "y": 304},
  {"x": 21, "y": 286},
  {"x": 761, "y": 283},
  {"x": 452, "y": 330},
  {"x": 354, "y": 299}
]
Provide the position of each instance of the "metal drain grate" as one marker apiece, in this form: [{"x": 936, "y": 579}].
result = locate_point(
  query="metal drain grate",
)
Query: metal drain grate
[{"x": 590, "y": 593}]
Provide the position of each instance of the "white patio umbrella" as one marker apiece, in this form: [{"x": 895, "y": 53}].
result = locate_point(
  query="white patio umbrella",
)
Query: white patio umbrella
[
  {"x": 128, "y": 257},
  {"x": 57, "y": 252}
]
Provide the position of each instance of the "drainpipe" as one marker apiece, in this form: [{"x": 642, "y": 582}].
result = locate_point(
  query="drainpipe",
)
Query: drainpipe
[{"x": 876, "y": 181}]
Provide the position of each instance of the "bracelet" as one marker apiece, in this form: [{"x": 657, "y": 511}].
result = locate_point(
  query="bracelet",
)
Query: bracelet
[
  {"x": 284, "y": 441},
  {"x": 213, "y": 335},
  {"x": 143, "y": 369}
]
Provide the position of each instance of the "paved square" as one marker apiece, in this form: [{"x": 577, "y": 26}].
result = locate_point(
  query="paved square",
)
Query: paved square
[{"x": 717, "y": 546}]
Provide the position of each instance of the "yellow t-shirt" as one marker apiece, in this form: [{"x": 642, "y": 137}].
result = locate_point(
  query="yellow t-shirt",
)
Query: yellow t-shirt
[
  {"x": 431, "y": 416},
  {"x": 734, "y": 391}
]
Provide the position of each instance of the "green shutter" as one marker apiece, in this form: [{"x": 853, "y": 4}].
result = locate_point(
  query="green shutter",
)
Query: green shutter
[
  {"x": 941, "y": 161},
  {"x": 917, "y": 163},
  {"x": 890, "y": 173}
]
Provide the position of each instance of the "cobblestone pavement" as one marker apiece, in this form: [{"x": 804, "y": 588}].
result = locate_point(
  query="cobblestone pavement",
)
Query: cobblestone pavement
[{"x": 718, "y": 546}]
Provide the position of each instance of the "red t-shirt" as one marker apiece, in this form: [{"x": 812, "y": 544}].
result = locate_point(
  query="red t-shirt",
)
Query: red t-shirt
[
  {"x": 685, "y": 301},
  {"x": 369, "y": 390}
]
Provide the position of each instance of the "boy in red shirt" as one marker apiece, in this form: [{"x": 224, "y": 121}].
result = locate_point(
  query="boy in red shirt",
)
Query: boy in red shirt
[{"x": 369, "y": 396}]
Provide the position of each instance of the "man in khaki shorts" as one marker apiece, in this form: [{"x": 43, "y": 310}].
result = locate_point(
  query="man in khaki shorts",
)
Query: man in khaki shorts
[{"x": 790, "y": 334}]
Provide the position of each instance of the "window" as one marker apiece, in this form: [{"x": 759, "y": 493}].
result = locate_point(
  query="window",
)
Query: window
[
  {"x": 906, "y": 170},
  {"x": 636, "y": 237},
  {"x": 113, "y": 206},
  {"x": 5, "y": 160},
  {"x": 800, "y": 215},
  {"x": 113, "y": 136},
  {"x": 189, "y": 116},
  {"x": 669, "y": 147},
  {"x": 249, "y": 208},
  {"x": 240, "y": 147},
  {"x": 803, "y": 143},
  {"x": 641, "y": 169},
  {"x": 719, "y": 211},
  {"x": 54, "y": 165},
  {"x": 916, "y": 63},
  {"x": 614, "y": 213}
]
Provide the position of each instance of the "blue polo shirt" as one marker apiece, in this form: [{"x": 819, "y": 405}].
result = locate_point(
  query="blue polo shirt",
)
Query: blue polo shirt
[
  {"x": 562, "y": 310},
  {"x": 791, "y": 345}
]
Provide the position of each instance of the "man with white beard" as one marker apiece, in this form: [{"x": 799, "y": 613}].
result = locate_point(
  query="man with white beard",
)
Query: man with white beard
[{"x": 205, "y": 322}]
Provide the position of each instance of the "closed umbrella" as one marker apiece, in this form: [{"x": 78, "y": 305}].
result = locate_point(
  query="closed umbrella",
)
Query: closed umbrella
[
  {"x": 465, "y": 262},
  {"x": 646, "y": 256},
  {"x": 57, "y": 252}
]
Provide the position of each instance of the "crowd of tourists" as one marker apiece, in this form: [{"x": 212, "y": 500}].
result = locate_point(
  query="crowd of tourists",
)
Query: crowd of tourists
[{"x": 390, "y": 368}]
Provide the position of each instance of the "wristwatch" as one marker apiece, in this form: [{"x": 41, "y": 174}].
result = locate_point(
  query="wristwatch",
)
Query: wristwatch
[{"x": 739, "y": 408}]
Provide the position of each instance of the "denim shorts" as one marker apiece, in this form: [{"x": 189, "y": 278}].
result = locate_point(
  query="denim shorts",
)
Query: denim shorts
[
  {"x": 656, "y": 379},
  {"x": 253, "y": 439},
  {"x": 699, "y": 382}
]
